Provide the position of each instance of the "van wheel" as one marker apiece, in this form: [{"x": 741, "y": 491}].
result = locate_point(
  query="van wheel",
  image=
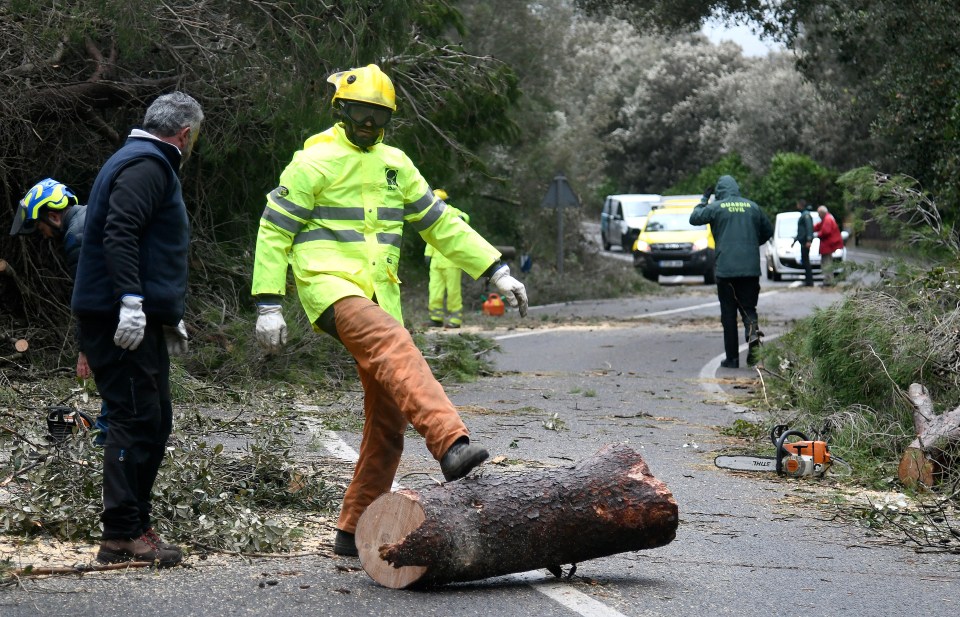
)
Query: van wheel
[
  {"x": 777, "y": 276},
  {"x": 709, "y": 277},
  {"x": 650, "y": 276}
]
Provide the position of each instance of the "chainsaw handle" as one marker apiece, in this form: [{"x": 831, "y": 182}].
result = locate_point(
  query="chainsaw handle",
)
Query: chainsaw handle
[{"x": 781, "y": 440}]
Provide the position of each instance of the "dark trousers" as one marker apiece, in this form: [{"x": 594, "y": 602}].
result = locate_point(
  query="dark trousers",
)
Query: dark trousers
[
  {"x": 136, "y": 387},
  {"x": 737, "y": 295},
  {"x": 807, "y": 266}
]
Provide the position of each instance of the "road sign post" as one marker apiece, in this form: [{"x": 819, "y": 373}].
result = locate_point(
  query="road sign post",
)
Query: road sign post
[{"x": 560, "y": 195}]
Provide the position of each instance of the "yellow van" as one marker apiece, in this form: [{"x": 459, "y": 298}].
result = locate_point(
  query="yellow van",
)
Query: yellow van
[{"x": 670, "y": 245}]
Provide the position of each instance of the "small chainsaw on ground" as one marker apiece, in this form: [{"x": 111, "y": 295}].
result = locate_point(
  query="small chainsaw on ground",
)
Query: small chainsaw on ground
[{"x": 796, "y": 456}]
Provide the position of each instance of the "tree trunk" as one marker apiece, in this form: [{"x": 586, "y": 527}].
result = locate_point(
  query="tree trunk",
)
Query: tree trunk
[
  {"x": 926, "y": 458},
  {"x": 492, "y": 525}
]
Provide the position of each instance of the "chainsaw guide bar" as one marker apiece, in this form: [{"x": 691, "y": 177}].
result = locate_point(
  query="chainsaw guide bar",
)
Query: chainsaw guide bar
[{"x": 746, "y": 463}]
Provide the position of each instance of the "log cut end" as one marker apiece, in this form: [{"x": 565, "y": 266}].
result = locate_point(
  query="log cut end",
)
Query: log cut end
[
  {"x": 916, "y": 467},
  {"x": 385, "y": 522}
]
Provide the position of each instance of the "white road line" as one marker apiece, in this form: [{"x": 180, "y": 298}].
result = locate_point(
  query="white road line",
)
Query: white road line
[
  {"x": 561, "y": 593},
  {"x": 708, "y": 380},
  {"x": 682, "y": 309},
  {"x": 565, "y": 595},
  {"x": 692, "y": 308}
]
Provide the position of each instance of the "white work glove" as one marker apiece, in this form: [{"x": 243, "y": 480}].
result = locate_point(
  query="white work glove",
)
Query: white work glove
[
  {"x": 510, "y": 288},
  {"x": 132, "y": 323},
  {"x": 176, "y": 337},
  {"x": 271, "y": 328}
]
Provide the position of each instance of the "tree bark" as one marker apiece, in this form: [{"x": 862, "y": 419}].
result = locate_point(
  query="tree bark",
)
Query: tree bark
[
  {"x": 492, "y": 525},
  {"x": 926, "y": 458}
]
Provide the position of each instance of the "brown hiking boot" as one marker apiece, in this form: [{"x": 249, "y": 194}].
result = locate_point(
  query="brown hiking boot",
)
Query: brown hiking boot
[
  {"x": 138, "y": 549},
  {"x": 152, "y": 535}
]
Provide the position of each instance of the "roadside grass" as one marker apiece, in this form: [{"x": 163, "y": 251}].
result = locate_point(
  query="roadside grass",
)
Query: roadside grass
[{"x": 842, "y": 375}]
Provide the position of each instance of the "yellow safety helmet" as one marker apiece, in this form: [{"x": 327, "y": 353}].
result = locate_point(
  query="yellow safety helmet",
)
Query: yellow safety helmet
[
  {"x": 440, "y": 193},
  {"x": 365, "y": 85}
]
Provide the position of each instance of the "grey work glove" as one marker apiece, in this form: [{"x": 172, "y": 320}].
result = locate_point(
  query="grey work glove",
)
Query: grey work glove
[
  {"x": 132, "y": 324},
  {"x": 510, "y": 288},
  {"x": 176, "y": 337},
  {"x": 271, "y": 328}
]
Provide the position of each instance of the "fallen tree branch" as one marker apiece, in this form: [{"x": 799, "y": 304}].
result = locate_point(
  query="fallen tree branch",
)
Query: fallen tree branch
[{"x": 33, "y": 572}]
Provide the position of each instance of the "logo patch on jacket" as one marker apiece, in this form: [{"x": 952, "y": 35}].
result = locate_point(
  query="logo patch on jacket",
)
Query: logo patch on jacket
[
  {"x": 283, "y": 191},
  {"x": 391, "y": 179}
]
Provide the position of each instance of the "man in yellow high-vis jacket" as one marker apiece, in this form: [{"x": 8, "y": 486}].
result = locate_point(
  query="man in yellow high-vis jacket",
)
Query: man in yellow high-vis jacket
[
  {"x": 446, "y": 295},
  {"x": 337, "y": 219}
]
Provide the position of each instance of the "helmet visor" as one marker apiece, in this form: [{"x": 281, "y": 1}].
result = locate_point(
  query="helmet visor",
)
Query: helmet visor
[
  {"x": 22, "y": 225},
  {"x": 361, "y": 113}
]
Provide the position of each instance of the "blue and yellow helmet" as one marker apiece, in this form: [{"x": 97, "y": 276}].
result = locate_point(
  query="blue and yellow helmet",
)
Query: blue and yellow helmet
[{"x": 47, "y": 193}]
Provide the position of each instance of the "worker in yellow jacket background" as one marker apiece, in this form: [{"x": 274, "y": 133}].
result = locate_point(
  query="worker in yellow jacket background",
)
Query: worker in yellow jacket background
[
  {"x": 337, "y": 219},
  {"x": 444, "y": 281}
]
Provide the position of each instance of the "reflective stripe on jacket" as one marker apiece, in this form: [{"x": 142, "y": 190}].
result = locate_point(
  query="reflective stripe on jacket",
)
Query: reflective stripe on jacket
[
  {"x": 337, "y": 218},
  {"x": 438, "y": 259}
]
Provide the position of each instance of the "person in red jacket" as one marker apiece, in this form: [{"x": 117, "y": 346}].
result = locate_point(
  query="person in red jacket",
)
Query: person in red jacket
[{"x": 830, "y": 240}]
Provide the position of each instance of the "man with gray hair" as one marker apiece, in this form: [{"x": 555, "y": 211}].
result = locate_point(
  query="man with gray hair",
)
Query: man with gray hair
[
  {"x": 129, "y": 300},
  {"x": 831, "y": 239}
]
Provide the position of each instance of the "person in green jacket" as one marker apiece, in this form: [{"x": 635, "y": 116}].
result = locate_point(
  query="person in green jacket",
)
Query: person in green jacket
[
  {"x": 336, "y": 218},
  {"x": 805, "y": 238},
  {"x": 739, "y": 227}
]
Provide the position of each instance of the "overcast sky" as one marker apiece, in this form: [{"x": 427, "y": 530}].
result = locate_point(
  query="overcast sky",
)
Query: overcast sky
[{"x": 741, "y": 35}]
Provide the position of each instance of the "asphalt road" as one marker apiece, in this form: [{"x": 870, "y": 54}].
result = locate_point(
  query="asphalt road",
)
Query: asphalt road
[{"x": 641, "y": 371}]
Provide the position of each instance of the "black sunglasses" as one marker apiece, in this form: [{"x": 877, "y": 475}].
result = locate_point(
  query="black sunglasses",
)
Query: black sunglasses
[{"x": 360, "y": 113}]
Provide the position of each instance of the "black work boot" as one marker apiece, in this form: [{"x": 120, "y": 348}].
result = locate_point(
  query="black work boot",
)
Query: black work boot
[
  {"x": 138, "y": 549},
  {"x": 728, "y": 363},
  {"x": 461, "y": 458},
  {"x": 345, "y": 544}
]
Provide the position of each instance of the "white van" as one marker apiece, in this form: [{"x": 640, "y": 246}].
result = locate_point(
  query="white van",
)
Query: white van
[{"x": 622, "y": 218}]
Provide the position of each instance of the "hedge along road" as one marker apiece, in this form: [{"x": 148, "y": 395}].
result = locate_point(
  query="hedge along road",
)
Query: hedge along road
[{"x": 747, "y": 544}]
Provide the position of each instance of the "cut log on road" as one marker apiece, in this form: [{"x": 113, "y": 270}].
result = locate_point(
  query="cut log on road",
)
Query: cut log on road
[
  {"x": 502, "y": 523},
  {"x": 925, "y": 460}
]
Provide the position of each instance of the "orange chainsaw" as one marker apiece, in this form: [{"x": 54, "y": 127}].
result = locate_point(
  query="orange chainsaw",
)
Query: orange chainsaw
[{"x": 796, "y": 456}]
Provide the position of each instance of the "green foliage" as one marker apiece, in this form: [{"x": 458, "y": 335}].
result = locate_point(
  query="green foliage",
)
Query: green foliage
[
  {"x": 204, "y": 495},
  {"x": 729, "y": 165},
  {"x": 796, "y": 176},
  {"x": 87, "y": 71},
  {"x": 745, "y": 430},
  {"x": 461, "y": 357},
  {"x": 891, "y": 66},
  {"x": 902, "y": 209},
  {"x": 846, "y": 369}
]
